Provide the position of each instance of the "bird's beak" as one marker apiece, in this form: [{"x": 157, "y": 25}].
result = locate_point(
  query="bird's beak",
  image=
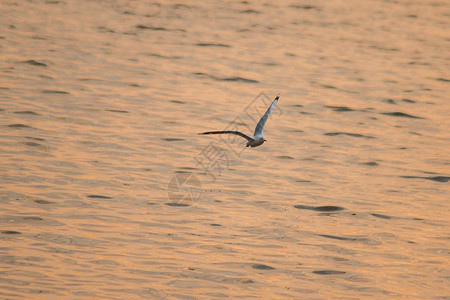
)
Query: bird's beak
[{"x": 265, "y": 140}]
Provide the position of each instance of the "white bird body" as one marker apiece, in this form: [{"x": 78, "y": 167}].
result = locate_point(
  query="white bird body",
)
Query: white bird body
[{"x": 257, "y": 139}]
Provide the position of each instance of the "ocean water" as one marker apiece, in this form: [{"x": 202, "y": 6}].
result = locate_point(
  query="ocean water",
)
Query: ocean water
[{"x": 108, "y": 192}]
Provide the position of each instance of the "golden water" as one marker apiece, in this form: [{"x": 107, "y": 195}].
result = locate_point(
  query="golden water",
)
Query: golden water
[{"x": 100, "y": 106}]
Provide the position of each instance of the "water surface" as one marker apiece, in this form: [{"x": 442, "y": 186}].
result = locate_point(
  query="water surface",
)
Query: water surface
[{"x": 107, "y": 191}]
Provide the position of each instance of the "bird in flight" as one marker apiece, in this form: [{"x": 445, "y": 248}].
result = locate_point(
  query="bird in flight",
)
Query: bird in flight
[{"x": 257, "y": 139}]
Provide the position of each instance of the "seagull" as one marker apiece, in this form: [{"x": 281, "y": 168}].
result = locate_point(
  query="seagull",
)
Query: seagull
[{"x": 257, "y": 138}]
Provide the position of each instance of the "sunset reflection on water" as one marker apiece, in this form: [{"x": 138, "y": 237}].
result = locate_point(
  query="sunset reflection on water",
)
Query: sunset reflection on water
[{"x": 103, "y": 193}]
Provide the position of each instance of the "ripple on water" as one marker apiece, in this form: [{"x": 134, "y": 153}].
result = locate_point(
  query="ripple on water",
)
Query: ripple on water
[
  {"x": 98, "y": 197},
  {"x": 10, "y": 232},
  {"x": 351, "y": 239},
  {"x": 158, "y": 28},
  {"x": 326, "y": 208},
  {"x": 390, "y": 101},
  {"x": 32, "y": 144},
  {"x": 172, "y": 139},
  {"x": 34, "y": 138},
  {"x": 327, "y": 86},
  {"x": 329, "y": 272},
  {"x": 306, "y": 7},
  {"x": 237, "y": 78},
  {"x": 67, "y": 240},
  {"x": 213, "y": 45},
  {"x": 41, "y": 201},
  {"x": 234, "y": 78},
  {"x": 401, "y": 114},
  {"x": 370, "y": 163},
  {"x": 408, "y": 100},
  {"x": 340, "y": 108},
  {"x": 433, "y": 178},
  {"x": 164, "y": 56},
  {"x": 249, "y": 11},
  {"x": 342, "y": 238},
  {"x": 285, "y": 157},
  {"x": 26, "y": 112},
  {"x": 117, "y": 111},
  {"x": 18, "y": 125},
  {"x": 33, "y": 218},
  {"x": 349, "y": 134},
  {"x": 381, "y": 216},
  {"x": 176, "y": 204},
  {"x": 262, "y": 267},
  {"x": 55, "y": 92},
  {"x": 34, "y": 63}
]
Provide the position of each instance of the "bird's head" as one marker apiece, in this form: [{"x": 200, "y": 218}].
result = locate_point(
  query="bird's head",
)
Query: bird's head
[{"x": 262, "y": 139}]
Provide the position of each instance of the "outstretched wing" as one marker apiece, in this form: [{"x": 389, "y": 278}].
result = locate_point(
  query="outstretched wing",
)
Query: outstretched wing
[
  {"x": 248, "y": 138},
  {"x": 260, "y": 126}
]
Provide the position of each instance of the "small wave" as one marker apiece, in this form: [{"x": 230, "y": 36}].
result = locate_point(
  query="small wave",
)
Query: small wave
[
  {"x": 117, "y": 111},
  {"x": 164, "y": 56},
  {"x": 157, "y": 28},
  {"x": 19, "y": 126},
  {"x": 370, "y": 163},
  {"x": 343, "y": 238},
  {"x": 401, "y": 114},
  {"x": 340, "y": 108},
  {"x": 26, "y": 112},
  {"x": 98, "y": 197},
  {"x": 306, "y": 7},
  {"x": 236, "y": 78},
  {"x": 34, "y": 63},
  {"x": 262, "y": 267},
  {"x": 250, "y": 11},
  {"x": 10, "y": 232},
  {"x": 212, "y": 45},
  {"x": 239, "y": 79},
  {"x": 327, "y": 86},
  {"x": 176, "y": 204},
  {"x": 349, "y": 134},
  {"x": 328, "y": 272},
  {"x": 54, "y": 92},
  {"x": 433, "y": 178},
  {"x": 33, "y": 144},
  {"x": 285, "y": 157},
  {"x": 172, "y": 139},
  {"x": 325, "y": 208},
  {"x": 41, "y": 201},
  {"x": 381, "y": 216}
]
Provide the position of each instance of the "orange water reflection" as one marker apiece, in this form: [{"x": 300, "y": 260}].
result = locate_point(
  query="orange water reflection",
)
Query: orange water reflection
[{"x": 101, "y": 105}]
